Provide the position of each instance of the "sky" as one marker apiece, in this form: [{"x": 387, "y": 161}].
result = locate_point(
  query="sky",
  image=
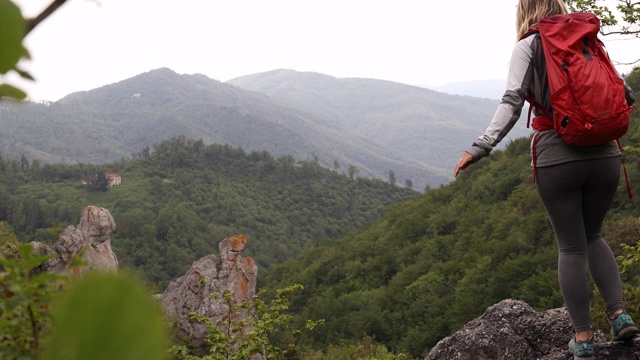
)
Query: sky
[{"x": 87, "y": 44}]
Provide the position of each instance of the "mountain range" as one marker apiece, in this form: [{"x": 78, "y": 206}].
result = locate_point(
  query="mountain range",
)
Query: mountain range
[
  {"x": 486, "y": 89},
  {"x": 374, "y": 127}
]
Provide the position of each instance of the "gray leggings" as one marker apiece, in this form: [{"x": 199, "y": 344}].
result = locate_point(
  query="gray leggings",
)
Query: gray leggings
[{"x": 576, "y": 196}]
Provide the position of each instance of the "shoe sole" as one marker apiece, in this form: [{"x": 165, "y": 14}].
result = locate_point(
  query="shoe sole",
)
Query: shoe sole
[
  {"x": 626, "y": 333},
  {"x": 576, "y": 357}
]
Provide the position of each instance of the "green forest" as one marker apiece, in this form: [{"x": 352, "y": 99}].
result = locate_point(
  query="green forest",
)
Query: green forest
[
  {"x": 386, "y": 268},
  {"x": 437, "y": 261},
  {"x": 118, "y": 120},
  {"x": 369, "y": 268},
  {"x": 180, "y": 198}
]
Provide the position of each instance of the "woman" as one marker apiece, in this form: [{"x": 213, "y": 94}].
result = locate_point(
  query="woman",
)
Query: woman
[{"x": 576, "y": 185}]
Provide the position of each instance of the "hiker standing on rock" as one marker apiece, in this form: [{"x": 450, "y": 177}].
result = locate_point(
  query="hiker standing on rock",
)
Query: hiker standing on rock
[{"x": 576, "y": 183}]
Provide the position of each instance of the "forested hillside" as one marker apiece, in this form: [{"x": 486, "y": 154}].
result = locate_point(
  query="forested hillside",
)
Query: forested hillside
[
  {"x": 377, "y": 261},
  {"x": 180, "y": 198},
  {"x": 378, "y": 127},
  {"x": 118, "y": 120},
  {"x": 388, "y": 271},
  {"x": 436, "y": 261},
  {"x": 426, "y": 125}
]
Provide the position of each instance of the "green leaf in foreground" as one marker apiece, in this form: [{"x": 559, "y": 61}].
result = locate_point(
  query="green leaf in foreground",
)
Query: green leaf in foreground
[
  {"x": 106, "y": 316},
  {"x": 7, "y": 90},
  {"x": 12, "y": 31}
]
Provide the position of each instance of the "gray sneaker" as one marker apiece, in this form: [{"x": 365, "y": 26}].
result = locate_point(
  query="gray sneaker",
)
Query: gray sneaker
[
  {"x": 622, "y": 327},
  {"x": 582, "y": 350}
]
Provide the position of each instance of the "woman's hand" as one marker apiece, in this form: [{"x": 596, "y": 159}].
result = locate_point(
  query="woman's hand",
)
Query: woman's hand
[{"x": 465, "y": 160}]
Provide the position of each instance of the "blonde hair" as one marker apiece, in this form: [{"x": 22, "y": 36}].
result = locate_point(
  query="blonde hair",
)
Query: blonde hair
[{"x": 530, "y": 11}]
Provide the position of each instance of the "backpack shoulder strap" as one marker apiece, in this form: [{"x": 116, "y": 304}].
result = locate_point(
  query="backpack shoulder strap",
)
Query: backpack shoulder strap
[{"x": 532, "y": 30}]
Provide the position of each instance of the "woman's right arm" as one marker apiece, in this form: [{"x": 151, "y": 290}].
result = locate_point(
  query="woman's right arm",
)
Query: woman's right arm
[{"x": 508, "y": 112}]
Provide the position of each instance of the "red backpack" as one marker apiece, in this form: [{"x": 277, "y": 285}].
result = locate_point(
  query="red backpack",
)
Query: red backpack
[{"x": 587, "y": 96}]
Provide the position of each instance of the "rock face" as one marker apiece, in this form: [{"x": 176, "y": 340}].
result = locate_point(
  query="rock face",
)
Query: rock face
[
  {"x": 92, "y": 236},
  {"x": 512, "y": 329},
  {"x": 211, "y": 275}
]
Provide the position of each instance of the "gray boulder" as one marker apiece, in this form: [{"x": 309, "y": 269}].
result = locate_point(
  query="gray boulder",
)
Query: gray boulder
[
  {"x": 209, "y": 275},
  {"x": 91, "y": 238},
  {"x": 511, "y": 329}
]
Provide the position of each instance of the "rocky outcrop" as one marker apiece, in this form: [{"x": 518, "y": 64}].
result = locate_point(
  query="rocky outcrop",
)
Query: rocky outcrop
[
  {"x": 91, "y": 238},
  {"x": 512, "y": 329},
  {"x": 192, "y": 293}
]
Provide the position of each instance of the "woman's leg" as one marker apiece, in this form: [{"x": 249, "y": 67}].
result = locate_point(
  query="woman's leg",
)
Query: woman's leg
[
  {"x": 598, "y": 194},
  {"x": 576, "y": 196}
]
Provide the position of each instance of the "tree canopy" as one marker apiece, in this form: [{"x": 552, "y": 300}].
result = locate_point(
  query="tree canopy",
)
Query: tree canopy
[
  {"x": 623, "y": 19},
  {"x": 180, "y": 198}
]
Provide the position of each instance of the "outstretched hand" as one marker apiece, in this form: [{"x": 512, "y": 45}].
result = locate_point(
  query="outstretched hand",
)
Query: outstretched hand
[{"x": 465, "y": 160}]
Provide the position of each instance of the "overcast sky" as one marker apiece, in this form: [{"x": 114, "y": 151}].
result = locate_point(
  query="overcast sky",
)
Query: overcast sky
[{"x": 87, "y": 44}]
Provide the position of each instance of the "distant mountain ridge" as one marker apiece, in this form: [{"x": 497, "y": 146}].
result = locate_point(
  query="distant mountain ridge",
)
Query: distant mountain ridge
[
  {"x": 375, "y": 126},
  {"x": 486, "y": 89},
  {"x": 428, "y": 126}
]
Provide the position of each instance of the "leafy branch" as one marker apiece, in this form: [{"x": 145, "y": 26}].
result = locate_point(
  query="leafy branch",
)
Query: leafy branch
[
  {"x": 247, "y": 328},
  {"x": 32, "y": 23},
  {"x": 24, "y": 305},
  {"x": 625, "y": 23},
  {"x": 13, "y": 29}
]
